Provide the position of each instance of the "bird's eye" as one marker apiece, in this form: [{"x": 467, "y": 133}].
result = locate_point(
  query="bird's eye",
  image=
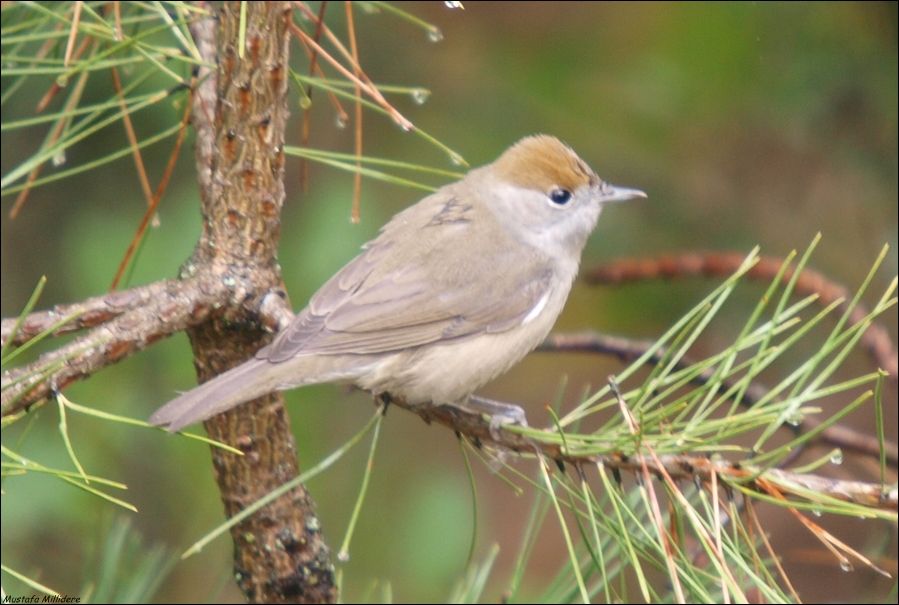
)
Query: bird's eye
[{"x": 560, "y": 196}]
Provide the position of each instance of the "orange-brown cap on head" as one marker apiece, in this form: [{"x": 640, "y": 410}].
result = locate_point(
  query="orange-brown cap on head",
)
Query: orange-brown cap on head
[{"x": 542, "y": 162}]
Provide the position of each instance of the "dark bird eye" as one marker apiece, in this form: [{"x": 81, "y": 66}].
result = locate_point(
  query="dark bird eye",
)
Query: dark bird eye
[{"x": 560, "y": 196}]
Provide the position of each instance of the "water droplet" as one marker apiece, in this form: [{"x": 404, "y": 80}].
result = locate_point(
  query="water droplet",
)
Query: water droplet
[
  {"x": 404, "y": 125},
  {"x": 817, "y": 512},
  {"x": 59, "y": 158},
  {"x": 420, "y": 95},
  {"x": 343, "y": 556},
  {"x": 795, "y": 418},
  {"x": 456, "y": 159},
  {"x": 341, "y": 121},
  {"x": 62, "y": 81},
  {"x": 846, "y": 565},
  {"x": 305, "y": 102},
  {"x": 434, "y": 34},
  {"x": 454, "y": 5},
  {"x": 836, "y": 457}
]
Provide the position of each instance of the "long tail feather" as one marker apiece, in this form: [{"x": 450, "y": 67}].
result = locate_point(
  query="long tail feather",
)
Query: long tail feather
[{"x": 247, "y": 381}]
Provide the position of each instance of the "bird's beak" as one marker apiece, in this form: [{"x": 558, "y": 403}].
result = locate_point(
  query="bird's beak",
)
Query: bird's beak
[{"x": 611, "y": 193}]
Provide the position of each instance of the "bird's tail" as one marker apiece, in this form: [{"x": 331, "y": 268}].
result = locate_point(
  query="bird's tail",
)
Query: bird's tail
[{"x": 247, "y": 381}]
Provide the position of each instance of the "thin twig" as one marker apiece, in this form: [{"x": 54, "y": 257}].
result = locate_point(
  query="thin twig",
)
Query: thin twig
[
  {"x": 876, "y": 339},
  {"x": 156, "y": 197},
  {"x": 118, "y": 35},
  {"x": 338, "y": 106},
  {"x": 73, "y": 32},
  {"x": 370, "y": 89},
  {"x": 306, "y": 127},
  {"x": 132, "y": 138},
  {"x": 55, "y": 87},
  {"x": 357, "y": 131},
  {"x": 627, "y": 350},
  {"x": 675, "y": 466}
]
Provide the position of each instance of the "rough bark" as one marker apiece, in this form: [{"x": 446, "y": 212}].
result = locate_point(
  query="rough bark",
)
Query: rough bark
[{"x": 280, "y": 555}]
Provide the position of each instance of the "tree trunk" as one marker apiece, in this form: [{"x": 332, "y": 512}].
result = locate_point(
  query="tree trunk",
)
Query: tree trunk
[{"x": 240, "y": 116}]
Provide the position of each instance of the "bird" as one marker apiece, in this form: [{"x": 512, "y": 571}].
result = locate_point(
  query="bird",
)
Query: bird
[{"x": 453, "y": 291}]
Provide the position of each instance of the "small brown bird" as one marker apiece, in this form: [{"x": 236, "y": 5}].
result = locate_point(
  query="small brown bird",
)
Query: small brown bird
[{"x": 454, "y": 291}]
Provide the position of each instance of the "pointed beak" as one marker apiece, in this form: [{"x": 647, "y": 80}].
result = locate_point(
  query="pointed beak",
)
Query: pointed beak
[{"x": 611, "y": 193}]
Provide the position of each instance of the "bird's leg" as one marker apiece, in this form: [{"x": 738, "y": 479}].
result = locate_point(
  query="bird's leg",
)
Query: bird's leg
[
  {"x": 384, "y": 400},
  {"x": 500, "y": 413},
  {"x": 506, "y": 413}
]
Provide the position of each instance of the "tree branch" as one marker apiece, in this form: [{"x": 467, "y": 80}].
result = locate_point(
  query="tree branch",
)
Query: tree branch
[
  {"x": 86, "y": 314},
  {"x": 876, "y": 340},
  {"x": 627, "y": 350},
  {"x": 154, "y": 312},
  {"x": 685, "y": 467}
]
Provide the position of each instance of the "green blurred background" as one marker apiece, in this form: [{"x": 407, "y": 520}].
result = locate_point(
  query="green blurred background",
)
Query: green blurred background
[{"x": 747, "y": 124}]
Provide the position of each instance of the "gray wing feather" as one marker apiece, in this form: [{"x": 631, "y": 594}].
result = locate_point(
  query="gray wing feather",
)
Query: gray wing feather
[{"x": 384, "y": 300}]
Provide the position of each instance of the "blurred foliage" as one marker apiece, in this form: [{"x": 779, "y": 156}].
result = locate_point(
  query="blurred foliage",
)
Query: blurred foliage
[{"x": 746, "y": 123}]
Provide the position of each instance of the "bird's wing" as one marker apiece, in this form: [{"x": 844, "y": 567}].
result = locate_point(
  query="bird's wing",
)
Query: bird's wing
[{"x": 385, "y": 300}]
